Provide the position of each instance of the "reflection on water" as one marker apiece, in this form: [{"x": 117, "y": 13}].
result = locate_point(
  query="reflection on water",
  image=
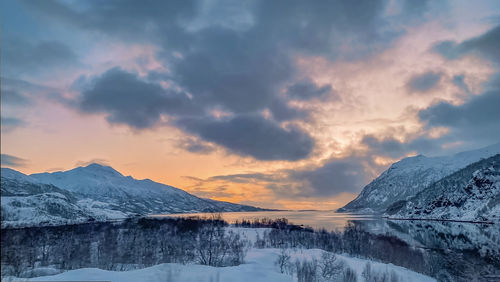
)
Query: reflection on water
[{"x": 316, "y": 219}]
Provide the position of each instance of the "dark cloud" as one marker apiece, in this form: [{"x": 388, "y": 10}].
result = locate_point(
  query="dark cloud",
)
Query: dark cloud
[
  {"x": 423, "y": 82},
  {"x": 332, "y": 178},
  {"x": 476, "y": 119},
  {"x": 21, "y": 56},
  {"x": 252, "y": 135},
  {"x": 128, "y": 20},
  {"x": 393, "y": 148},
  {"x": 307, "y": 89},
  {"x": 127, "y": 99},
  {"x": 281, "y": 111},
  {"x": 243, "y": 71},
  {"x": 486, "y": 45},
  {"x": 222, "y": 64},
  {"x": 194, "y": 145},
  {"x": 232, "y": 57},
  {"x": 13, "y": 161}
]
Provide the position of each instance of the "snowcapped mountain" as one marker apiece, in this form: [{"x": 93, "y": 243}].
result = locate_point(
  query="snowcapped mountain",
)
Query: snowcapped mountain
[
  {"x": 95, "y": 192},
  {"x": 408, "y": 177},
  {"x": 470, "y": 194},
  {"x": 26, "y": 201}
]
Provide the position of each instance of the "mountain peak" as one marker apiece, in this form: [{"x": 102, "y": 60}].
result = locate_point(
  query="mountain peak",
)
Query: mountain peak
[{"x": 99, "y": 168}]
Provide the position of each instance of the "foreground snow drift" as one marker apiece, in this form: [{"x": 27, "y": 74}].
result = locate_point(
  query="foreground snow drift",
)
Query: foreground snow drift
[{"x": 260, "y": 266}]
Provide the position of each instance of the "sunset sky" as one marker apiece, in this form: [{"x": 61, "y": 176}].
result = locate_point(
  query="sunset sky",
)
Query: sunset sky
[{"x": 278, "y": 104}]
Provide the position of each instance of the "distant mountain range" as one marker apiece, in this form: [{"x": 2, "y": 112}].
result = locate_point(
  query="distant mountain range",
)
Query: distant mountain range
[
  {"x": 94, "y": 192},
  {"x": 397, "y": 186}
]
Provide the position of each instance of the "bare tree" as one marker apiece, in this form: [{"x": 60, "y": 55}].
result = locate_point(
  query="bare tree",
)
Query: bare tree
[
  {"x": 283, "y": 260},
  {"x": 330, "y": 267},
  {"x": 349, "y": 275},
  {"x": 307, "y": 271}
]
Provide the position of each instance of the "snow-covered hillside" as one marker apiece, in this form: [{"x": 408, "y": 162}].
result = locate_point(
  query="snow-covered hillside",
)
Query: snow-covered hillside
[
  {"x": 406, "y": 178},
  {"x": 93, "y": 192},
  {"x": 471, "y": 194},
  {"x": 260, "y": 266},
  {"x": 26, "y": 203}
]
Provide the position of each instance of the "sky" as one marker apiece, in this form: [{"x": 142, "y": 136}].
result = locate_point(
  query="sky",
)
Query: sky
[{"x": 277, "y": 104}]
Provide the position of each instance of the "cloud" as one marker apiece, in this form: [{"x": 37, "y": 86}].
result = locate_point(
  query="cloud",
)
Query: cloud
[
  {"x": 237, "y": 63},
  {"x": 476, "y": 119},
  {"x": 282, "y": 111},
  {"x": 11, "y": 123},
  {"x": 247, "y": 177},
  {"x": 486, "y": 45},
  {"x": 127, "y": 99},
  {"x": 21, "y": 56},
  {"x": 332, "y": 178},
  {"x": 459, "y": 81},
  {"x": 13, "y": 161},
  {"x": 252, "y": 135},
  {"x": 238, "y": 59},
  {"x": 423, "y": 82},
  {"x": 93, "y": 161},
  {"x": 307, "y": 89},
  {"x": 396, "y": 149},
  {"x": 194, "y": 145},
  {"x": 13, "y": 97}
]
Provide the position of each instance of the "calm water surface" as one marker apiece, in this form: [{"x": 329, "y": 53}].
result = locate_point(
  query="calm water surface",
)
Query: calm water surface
[{"x": 316, "y": 219}]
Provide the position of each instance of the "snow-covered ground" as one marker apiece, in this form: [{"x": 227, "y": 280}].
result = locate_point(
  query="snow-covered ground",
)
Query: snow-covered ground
[{"x": 259, "y": 266}]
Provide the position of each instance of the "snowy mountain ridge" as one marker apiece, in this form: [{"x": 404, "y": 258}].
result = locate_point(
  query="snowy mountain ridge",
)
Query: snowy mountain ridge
[
  {"x": 94, "y": 192},
  {"x": 409, "y": 176}
]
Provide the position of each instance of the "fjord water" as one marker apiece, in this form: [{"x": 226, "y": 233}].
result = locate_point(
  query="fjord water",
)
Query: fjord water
[{"x": 328, "y": 220}]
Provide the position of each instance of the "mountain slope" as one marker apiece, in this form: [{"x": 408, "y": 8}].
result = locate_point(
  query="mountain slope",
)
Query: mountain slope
[
  {"x": 406, "y": 178},
  {"x": 470, "y": 194},
  {"x": 94, "y": 192},
  {"x": 26, "y": 202}
]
